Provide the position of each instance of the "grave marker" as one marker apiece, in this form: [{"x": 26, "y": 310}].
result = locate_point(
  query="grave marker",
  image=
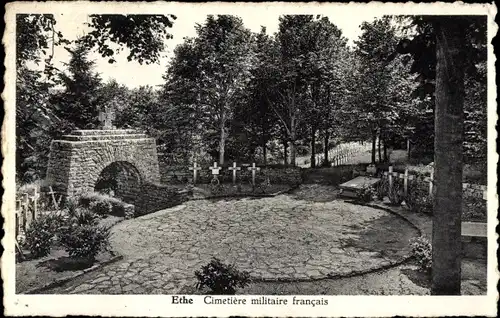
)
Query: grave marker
[
  {"x": 195, "y": 169},
  {"x": 234, "y": 168},
  {"x": 215, "y": 169},
  {"x": 253, "y": 168}
]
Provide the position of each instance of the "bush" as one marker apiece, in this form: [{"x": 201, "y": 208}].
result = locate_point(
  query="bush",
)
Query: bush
[
  {"x": 102, "y": 204},
  {"x": 422, "y": 251},
  {"x": 85, "y": 240},
  {"x": 222, "y": 279},
  {"x": 418, "y": 199},
  {"x": 40, "y": 234},
  {"x": 474, "y": 209},
  {"x": 101, "y": 207},
  {"x": 396, "y": 193},
  {"x": 365, "y": 194},
  {"x": 382, "y": 189}
]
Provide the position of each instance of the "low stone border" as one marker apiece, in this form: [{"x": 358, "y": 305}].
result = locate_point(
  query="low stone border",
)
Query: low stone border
[
  {"x": 60, "y": 281},
  {"x": 247, "y": 195}
]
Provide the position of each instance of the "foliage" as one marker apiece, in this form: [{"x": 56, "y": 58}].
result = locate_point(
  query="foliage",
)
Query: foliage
[
  {"x": 365, "y": 194},
  {"x": 396, "y": 193},
  {"x": 474, "y": 209},
  {"x": 417, "y": 198},
  {"x": 85, "y": 240},
  {"x": 40, "y": 234},
  {"x": 222, "y": 279},
  {"x": 422, "y": 251},
  {"x": 382, "y": 188},
  {"x": 43, "y": 110},
  {"x": 207, "y": 78},
  {"x": 144, "y": 35},
  {"x": 102, "y": 204},
  {"x": 101, "y": 207}
]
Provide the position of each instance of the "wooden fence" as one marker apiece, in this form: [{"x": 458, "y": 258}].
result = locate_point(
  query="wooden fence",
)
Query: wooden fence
[
  {"x": 29, "y": 208},
  {"x": 391, "y": 175}
]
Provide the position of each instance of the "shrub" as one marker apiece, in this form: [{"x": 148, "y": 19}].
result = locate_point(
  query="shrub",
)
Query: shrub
[
  {"x": 474, "y": 209},
  {"x": 222, "y": 279},
  {"x": 422, "y": 251},
  {"x": 101, "y": 207},
  {"x": 382, "y": 189},
  {"x": 365, "y": 194},
  {"x": 102, "y": 204},
  {"x": 396, "y": 193},
  {"x": 85, "y": 240},
  {"x": 418, "y": 199},
  {"x": 40, "y": 234}
]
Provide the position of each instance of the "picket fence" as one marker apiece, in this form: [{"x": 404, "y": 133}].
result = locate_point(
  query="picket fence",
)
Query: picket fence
[
  {"x": 28, "y": 208},
  {"x": 406, "y": 176}
]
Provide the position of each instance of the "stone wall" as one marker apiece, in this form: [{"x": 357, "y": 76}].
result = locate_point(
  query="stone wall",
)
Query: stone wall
[
  {"x": 154, "y": 197},
  {"x": 277, "y": 175},
  {"x": 77, "y": 160}
]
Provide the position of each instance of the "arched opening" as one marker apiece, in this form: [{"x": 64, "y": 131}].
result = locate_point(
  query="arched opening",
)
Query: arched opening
[{"x": 120, "y": 179}]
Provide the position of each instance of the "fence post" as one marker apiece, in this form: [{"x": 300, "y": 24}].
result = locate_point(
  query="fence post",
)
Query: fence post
[
  {"x": 405, "y": 182},
  {"x": 431, "y": 182},
  {"x": 35, "y": 204},
  {"x": 390, "y": 177}
]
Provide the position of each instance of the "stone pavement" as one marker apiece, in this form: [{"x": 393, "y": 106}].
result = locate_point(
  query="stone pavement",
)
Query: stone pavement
[{"x": 279, "y": 238}]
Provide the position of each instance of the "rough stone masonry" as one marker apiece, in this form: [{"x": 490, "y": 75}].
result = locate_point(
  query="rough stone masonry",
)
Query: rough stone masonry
[{"x": 77, "y": 160}]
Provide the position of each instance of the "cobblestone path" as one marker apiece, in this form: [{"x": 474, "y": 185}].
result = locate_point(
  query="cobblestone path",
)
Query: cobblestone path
[{"x": 279, "y": 238}]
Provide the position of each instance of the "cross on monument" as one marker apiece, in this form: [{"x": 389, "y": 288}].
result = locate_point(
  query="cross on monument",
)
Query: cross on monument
[
  {"x": 253, "y": 168},
  {"x": 106, "y": 118},
  {"x": 195, "y": 169},
  {"x": 234, "y": 168}
]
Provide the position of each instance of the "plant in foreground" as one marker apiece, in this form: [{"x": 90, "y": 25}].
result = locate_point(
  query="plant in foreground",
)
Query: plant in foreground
[
  {"x": 222, "y": 279},
  {"x": 422, "y": 251}
]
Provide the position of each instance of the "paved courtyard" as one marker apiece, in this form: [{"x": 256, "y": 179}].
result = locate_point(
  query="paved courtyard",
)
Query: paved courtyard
[{"x": 278, "y": 239}]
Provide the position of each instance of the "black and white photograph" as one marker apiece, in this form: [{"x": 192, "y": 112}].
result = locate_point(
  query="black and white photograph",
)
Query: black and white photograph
[{"x": 248, "y": 156}]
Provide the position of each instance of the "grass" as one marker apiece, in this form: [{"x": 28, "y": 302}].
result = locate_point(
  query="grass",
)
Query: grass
[{"x": 36, "y": 273}]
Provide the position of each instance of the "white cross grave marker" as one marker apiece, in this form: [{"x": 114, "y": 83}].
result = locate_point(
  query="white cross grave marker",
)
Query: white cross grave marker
[
  {"x": 195, "y": 169},
  {"x": 431, "y": 181},
  {"x": 253, "y": 168},
  {"x": 215, "y": 169},
  {"x": 234, "y": 168},
  {"x": 106, "y": 118}
]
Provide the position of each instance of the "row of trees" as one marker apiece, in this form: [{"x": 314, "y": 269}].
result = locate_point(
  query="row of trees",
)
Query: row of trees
[
  {"x": 228, "y": 85},
  {"x": 232, "y": 93}
]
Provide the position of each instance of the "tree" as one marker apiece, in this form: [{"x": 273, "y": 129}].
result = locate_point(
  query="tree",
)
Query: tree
[
  {"x": 78, "y": 105},
  {"x": 37, "y": 81},
  {"x": 375, "y": 45},
  {"x": 216, "y": 73},
  {"x": 444, "y": 49},
  {"x": 255, "y": 117},
  {"x": 289, "y": 86}
]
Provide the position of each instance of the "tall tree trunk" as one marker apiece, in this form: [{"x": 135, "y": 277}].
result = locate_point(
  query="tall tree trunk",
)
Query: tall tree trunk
[
  {"x": 313, "y": 148},
  {"x": 379, "y": 150},
  {"x": 448, "y": 157},
  {"x": 386, "y": 158},
  {"x": 222, "y": 145},
  {"x": 292, "y": 153},
  {"x": 293, "y": 148},
  {"x": 285, "y": 152},
  {"x": 325, "y": 149},
  {"x": 374, "y": 146},
  {"x": 264, "y": 152}
]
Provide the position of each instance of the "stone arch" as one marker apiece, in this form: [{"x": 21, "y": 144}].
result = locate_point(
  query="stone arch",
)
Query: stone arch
[
  {"x": 121, "y": 179},
  {"x": 78, "y": 159}
]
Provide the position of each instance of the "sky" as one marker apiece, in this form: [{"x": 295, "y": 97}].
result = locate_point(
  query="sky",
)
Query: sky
[{"x": 133, "y": 74}]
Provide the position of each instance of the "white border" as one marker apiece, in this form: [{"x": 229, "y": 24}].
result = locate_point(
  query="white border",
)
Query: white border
[{"x": 149, "y": 305}]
